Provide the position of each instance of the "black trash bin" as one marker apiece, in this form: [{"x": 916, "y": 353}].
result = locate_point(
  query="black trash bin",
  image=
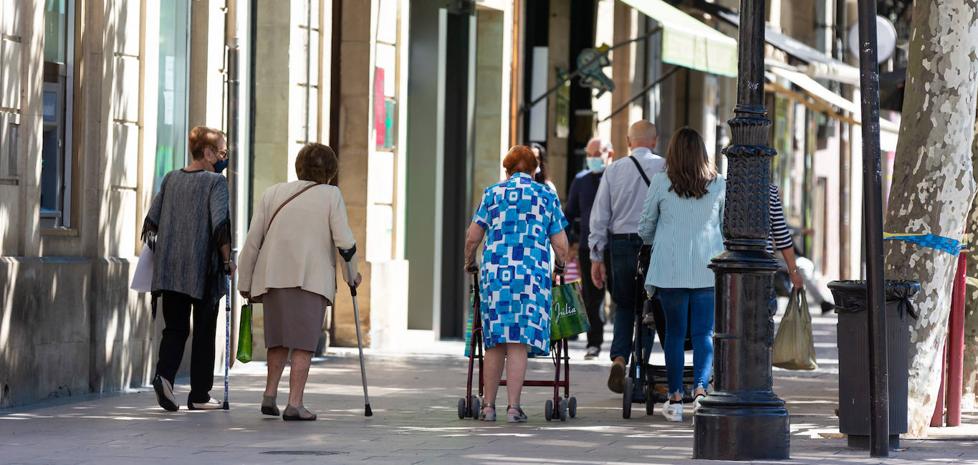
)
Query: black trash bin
[{"x": 854, "y": 368}]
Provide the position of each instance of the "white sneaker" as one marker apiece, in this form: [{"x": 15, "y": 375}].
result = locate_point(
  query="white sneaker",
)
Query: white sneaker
[
  {"x": 673, "y": 412},
  {"x": 696, "y": 404},
  {"x": 211, "y": 404},
  {"x": 592, "y": 353}
]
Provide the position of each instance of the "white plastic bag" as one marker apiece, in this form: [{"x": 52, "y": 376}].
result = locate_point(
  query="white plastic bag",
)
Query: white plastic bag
[{"x": 142, "y": 278}]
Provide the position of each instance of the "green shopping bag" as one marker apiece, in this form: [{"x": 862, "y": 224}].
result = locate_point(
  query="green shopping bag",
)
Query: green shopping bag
[
  {"x": 794, "y": 346},
  {"x": 244, "y": 335},
  {"x": 568, "y": 316}
]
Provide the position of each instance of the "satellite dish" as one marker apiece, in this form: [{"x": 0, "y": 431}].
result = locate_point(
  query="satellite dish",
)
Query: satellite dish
[{"x": 886, "y": 38}]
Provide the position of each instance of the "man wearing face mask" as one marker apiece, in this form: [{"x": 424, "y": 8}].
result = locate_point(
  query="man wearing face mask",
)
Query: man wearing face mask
[
  {"x": 583, "y": 189},
  {"x": 188, "y": 227}
]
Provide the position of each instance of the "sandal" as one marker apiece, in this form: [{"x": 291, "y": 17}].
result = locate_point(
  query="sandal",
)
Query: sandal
[
  {"x": 298, "y": 414},
  {"x": 488, "y": 413},
  {"x": 515, "y": 415}
]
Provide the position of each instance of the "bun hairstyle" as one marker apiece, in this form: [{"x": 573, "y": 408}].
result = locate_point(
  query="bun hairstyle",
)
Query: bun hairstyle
[
  {"x": 520, "y": 159},
  {"x": 202, "y": 137},
  {"x": 316, "y": 163}
]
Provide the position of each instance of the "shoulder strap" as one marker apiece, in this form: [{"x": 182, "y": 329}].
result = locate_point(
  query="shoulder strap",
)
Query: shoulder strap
[
  {"x": 269, "y": 226},
  {"x": 638, "y": 166}
]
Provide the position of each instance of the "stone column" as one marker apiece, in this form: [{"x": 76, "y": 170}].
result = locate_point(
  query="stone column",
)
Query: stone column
[
  {"x": 489, "y": 116},
  {"x": 558, "y": 56},
  {"x": 206, "y": 106},
  {"x": 623, "y": 73},
  {"x": 356, "y": 84}
]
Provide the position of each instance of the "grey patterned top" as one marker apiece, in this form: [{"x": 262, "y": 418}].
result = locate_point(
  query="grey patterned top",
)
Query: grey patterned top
[{"x": 191, "y": 220}]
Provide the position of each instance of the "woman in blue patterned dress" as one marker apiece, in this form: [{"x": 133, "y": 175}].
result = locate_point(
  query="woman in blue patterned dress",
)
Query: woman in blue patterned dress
[{"x": 521, "y": 220}]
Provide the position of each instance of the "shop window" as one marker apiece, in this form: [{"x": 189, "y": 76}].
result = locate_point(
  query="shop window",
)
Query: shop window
[
  {"x": 56, "y": 165},
  {"x": 172, "y": 93},
  {"x": 8, "y": 146}
]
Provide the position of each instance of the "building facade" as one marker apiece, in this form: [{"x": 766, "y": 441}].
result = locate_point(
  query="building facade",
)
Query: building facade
[
  {"x": 420, "y": 99},
  {"x": 94, "y": 95}
]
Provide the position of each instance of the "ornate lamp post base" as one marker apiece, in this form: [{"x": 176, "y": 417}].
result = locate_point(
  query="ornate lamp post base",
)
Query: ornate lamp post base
[
  {"x": 732, "y": 427},
  {"x": 743, "y": 419}
]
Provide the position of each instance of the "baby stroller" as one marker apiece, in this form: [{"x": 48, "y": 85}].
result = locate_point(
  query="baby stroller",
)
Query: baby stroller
[
  {"x": 555, "y": 408},
  {"x": 643, "y": 377}
]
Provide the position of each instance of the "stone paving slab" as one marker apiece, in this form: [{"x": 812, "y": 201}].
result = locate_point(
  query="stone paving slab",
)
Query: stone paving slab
[{"x": 414, "y": 402}]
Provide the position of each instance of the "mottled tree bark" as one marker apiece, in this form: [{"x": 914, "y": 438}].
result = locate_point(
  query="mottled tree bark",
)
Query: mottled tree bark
[
  {"x": 968, "y": 400},
  {"x": 933, "y": 185}
]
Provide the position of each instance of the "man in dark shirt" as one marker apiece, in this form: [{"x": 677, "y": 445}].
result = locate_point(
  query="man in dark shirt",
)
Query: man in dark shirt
[{"x": 583, "y": 189}]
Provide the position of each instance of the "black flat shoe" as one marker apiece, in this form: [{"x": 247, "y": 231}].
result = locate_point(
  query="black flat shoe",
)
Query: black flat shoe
[{"x": 164, "y": 394}]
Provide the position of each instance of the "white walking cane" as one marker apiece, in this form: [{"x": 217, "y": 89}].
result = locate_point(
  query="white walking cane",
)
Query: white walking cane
[{"x": 348, "y": 256}]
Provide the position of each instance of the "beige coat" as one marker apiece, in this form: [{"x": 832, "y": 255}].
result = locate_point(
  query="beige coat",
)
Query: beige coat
[{"x": 300, "y": 249}]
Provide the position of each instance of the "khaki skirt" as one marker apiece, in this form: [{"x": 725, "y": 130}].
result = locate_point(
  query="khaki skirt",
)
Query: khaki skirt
[{"x": 293, "y": 318}]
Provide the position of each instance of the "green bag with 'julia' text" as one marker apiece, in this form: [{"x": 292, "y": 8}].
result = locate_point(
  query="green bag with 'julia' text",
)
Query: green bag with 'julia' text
[{"x": 568, "y": 316}]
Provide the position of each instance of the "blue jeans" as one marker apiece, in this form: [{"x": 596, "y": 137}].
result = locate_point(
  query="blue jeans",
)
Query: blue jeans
[
  {"x": 624, "y": 291},
  {"x": 694, "y": 306}
]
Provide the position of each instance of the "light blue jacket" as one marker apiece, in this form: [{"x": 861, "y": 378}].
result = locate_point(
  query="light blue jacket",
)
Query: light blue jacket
[{"x": 685, "y": 234}]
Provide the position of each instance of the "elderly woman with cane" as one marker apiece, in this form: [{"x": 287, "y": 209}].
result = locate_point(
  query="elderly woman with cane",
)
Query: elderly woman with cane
[
  {"x": 288, "y": 263},
  {"x": 520, "y": 219}
]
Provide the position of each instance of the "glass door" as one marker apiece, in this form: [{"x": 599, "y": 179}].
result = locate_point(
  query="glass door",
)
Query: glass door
[{"x": 171, "y": 122}]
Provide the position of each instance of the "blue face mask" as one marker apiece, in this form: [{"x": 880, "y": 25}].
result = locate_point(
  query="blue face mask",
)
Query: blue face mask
[
  {"x": 221, "y": 165},
  {"x": 595, "y": 164}
]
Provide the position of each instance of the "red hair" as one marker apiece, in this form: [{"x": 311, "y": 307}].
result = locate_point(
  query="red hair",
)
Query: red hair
[{"x": 520, "y": 159}]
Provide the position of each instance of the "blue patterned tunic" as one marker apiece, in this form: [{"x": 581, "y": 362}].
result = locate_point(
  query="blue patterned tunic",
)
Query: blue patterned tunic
[{"x": 519, "y": 216}]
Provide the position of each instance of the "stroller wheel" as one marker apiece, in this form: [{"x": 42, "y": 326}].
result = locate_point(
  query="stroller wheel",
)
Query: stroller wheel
[
  {"x": 572, "y": 407},
  {"x": 548, "y": 410},
  {"x": 461, "y": 409},
  {"x": 476, "y": 408},
  {"x": 626, "y": 400},
  {"x": 563, "y": 409}
]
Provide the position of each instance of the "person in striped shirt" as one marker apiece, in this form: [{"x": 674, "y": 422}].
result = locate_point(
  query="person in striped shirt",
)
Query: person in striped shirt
[
  {"x": 800, "y": 270},
  {"x": 780, "y": 237}
]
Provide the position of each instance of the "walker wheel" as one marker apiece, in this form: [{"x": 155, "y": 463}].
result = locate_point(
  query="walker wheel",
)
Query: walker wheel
[
  {"x": 461, "y": 408},
  {"x": 572, "y": 407},
  {"x": 626, "y": 400},
  {"x": 563, "y": 409},
  {"x": 476, "y": 408},
  {"x": 548, "y": 410}
]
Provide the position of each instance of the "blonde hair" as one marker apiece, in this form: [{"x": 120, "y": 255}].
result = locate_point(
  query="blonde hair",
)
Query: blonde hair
[{"x": 202, "y": 137}]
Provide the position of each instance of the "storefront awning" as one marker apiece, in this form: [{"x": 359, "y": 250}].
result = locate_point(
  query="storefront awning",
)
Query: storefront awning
[
  {"x": 889, "y": 130},
  {"x": 688, "y": 42},
  {"x": 818, "y": 65}
]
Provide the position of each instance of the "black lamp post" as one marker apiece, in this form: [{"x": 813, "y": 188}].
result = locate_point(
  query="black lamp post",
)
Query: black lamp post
[{"x": 743, "y": 419}]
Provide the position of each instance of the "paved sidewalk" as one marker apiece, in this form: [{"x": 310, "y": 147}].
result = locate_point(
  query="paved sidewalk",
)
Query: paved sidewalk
[{"x": 414, "y": 402}]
